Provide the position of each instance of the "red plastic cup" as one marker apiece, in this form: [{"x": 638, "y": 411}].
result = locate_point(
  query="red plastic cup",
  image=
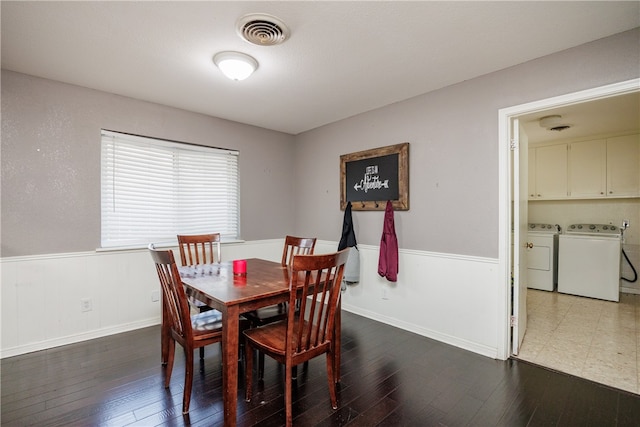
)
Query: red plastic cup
[{"x": 240, "y": 267}]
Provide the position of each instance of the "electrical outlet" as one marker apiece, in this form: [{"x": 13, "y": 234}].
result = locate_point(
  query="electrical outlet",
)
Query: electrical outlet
[
  {"x": 385, "y": 293},
  {"x": 625, "y": 223},
  {"x": 155, "y": 296},
  {"x": 86, "y": 304}
]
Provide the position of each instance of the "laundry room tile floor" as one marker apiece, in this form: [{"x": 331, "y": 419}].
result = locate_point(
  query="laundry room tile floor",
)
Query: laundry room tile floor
[{"x": 593, "y": 339}]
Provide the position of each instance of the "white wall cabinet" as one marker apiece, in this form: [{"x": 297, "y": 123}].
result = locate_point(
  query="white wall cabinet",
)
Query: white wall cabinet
[
  {"x": 548, "y": 172},
  {"x": 623, "y": 166},
  {"x": 588, "y": 169},
  {"x": 598, "y": 168}
]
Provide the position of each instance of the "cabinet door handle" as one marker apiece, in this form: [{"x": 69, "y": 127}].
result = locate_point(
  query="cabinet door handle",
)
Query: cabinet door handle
[{"x": 528, "y": 245}]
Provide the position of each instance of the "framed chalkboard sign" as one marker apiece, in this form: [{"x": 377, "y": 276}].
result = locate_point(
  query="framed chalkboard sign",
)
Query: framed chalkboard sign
[{"x": 369, "y": 178}]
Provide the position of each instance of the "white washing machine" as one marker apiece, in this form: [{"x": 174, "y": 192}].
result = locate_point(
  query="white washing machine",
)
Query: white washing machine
[
  {"x": 542, "y": 256},
  {"x": 589, "y": 261}
]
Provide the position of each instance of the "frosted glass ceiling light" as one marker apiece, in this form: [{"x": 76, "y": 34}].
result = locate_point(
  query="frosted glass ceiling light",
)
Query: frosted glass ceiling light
[{"x": 235, "y": 65}]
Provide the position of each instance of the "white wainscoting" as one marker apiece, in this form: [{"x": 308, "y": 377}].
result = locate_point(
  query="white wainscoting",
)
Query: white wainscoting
[
  {"x": 41, "y": 295},
  {"x": 454, "y": 299},
  {"x": 451, "y": 298},
  {"x": 41, "y": 298}
]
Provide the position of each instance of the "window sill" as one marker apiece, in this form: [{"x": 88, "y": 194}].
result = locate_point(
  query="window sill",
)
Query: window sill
[{"x": 157, "y": 245}]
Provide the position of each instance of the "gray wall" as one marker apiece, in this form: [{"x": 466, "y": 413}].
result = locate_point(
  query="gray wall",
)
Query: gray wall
[
  {"x": 453, "y": 164},
  {"x": 51, "y": 163},
  {"x": 51, "y": 172}
]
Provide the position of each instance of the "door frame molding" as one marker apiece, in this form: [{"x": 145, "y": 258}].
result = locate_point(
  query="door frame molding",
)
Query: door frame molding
[{"x": 505, "y": 115}]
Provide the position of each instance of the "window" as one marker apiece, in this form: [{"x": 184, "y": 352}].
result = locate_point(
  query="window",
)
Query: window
[{"x": 153, "y": 190}]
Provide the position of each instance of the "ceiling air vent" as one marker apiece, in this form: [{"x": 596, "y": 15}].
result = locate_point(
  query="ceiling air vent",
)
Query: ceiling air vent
[{"x": 262, "y": 29}]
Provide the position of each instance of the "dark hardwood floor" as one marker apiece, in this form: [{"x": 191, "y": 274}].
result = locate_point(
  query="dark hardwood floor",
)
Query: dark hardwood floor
[{"x": 390, "y": 378}]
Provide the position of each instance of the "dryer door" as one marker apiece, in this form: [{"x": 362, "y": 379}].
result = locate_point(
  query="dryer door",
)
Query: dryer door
[
  {"x": 539, "y": 257},
  {"x": 540, "y": 263}
]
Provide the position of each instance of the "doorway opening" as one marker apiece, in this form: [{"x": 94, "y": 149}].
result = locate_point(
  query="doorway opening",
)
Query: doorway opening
[{"x": 508, "y": 233}]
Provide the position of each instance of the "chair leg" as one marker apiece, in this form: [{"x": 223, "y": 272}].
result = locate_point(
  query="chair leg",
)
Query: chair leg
[
  {"x": 260, "y": 365},
  {"x": 288, "y": 398},
  {"x": 165, "y": 337},
  {"x": 171, "y": 346},
  {"x": 248, "y": 370},
  {"x": 332, "y": 381},
  {"x": 188, "y": 380},
  {"x": 203, "y": 310}
]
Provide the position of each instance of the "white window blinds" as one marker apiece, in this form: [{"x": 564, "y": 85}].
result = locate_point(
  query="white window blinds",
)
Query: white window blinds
[{"x": 153, "y": 190}]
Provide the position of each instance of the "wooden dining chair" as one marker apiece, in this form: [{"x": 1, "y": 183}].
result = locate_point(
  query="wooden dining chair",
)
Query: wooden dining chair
[
  {"x": 307, "y": 332},
  {"x": 263, "y": 316},
  {"x": 190, "y": 332},
  {"x": 199, "y": 249}
]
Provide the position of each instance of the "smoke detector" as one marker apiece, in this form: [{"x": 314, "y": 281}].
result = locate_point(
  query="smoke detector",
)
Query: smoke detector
[
  {"x": 262, "y": 29},
  {"x": 554, "y": 123}
]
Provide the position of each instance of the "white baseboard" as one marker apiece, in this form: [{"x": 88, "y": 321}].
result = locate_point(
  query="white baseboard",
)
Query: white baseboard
[
  {"x": 425, "y": 332},
  {"x": 71, "y": 339}
]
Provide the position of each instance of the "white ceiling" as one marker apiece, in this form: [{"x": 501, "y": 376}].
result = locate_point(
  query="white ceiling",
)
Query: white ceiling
[
  {"x": 342, "y": 59},
  {"x": 616, "y": 114}
]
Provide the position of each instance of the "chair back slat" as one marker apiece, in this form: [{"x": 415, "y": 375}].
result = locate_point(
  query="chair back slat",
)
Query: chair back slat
[
  {"x": 315, "y": 284},
  {"x": 174, "y": 296},
  {"x": 297, "y": 246},
  {"x": 199, "y": 249}
]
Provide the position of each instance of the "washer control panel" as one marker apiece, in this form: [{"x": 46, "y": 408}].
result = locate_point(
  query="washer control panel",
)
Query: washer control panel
[
  {"x": 603, "y": 229},
  {"x": 536, "y": 227},
  {"x": 546, "y": 228}
]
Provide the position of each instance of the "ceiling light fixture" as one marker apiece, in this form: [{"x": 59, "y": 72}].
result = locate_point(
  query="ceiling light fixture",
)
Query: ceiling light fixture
[
  {"x": 554, "y": 122},
  {"x": 235, "y": 65}
]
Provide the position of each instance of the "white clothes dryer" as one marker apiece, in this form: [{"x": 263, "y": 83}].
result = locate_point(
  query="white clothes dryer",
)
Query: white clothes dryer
[
  {"x": 589, "y": 261},
  {"x": 542, "y": 256}
]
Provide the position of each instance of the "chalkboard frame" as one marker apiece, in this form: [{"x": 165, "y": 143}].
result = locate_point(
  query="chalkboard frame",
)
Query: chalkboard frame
[{"x": 402, "y": 203}]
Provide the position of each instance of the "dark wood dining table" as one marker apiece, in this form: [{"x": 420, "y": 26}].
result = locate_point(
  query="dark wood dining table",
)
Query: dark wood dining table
[{"x": 265, "y": 283}]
